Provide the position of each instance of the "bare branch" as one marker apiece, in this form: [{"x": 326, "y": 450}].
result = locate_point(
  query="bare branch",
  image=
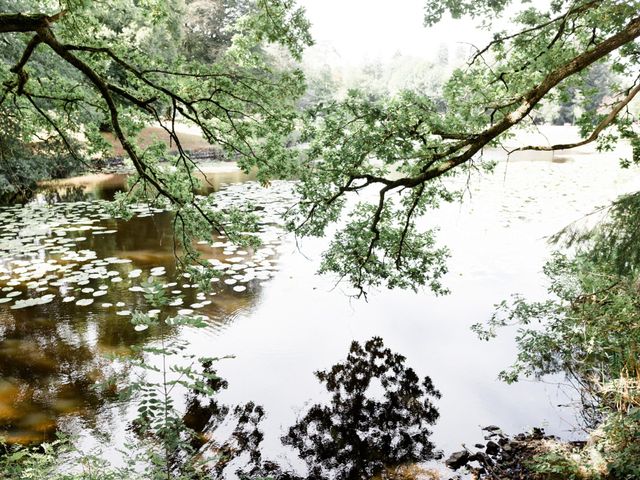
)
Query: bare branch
[
  {"x": 55, "y": 126},
  {"x": 407, "y": 223},
  {"x": 18, "y": 68}
]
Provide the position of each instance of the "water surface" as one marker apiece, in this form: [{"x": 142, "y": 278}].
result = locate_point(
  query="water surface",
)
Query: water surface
[{"x": 287, "y": 322}]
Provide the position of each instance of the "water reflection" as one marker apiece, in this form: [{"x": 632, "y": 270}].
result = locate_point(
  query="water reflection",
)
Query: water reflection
[
  {"x": 48, "y": 370},
  {"x": 378, "y": 419},
  {"x": 70, "y": 277}
]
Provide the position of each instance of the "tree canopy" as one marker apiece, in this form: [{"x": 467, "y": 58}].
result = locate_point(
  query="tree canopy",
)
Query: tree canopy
[
  {"x": 406, "y": 146},
  {"x": 68, "y": 68},
  {"x": 72, "y": 68}
]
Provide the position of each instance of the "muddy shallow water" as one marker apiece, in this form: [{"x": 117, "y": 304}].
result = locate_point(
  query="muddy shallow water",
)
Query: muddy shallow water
[{"x": 284, "y": 322}]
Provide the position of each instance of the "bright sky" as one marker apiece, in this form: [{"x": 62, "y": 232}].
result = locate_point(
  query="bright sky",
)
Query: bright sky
[{"x": 365, "y": 30}]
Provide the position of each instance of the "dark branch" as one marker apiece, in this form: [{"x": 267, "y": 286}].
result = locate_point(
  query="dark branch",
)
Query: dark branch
[
  {"x": 99, "y": 83},
  {"x": 18, "y": 22},
  {"x": 606, "y": 121}
]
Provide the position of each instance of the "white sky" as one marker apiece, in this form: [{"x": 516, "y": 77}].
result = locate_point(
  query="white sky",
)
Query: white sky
[{"x": 366, "y": 30}]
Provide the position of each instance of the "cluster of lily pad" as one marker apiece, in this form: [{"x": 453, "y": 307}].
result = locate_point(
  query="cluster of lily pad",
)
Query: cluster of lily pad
[
  {"x": 41, "y": 254},
  {"x": 240, "y": 267}
]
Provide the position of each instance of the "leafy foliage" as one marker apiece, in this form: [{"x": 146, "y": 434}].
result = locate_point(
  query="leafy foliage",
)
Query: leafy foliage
[
  {"x": 26, "y": 463},
  {"x": 395, "y": 153},
  {"x": 589, "y": 331},
  {"x": 614, "y": 238},
  {"x": 611, "y": 455},
  {"x": 68, "y": 74},
  {"x": 209, "y": 27},
  {"x": 434, "y": 11}
]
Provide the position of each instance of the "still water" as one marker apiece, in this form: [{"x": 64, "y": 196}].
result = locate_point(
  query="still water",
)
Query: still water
[{"x": 70, "y": 277}]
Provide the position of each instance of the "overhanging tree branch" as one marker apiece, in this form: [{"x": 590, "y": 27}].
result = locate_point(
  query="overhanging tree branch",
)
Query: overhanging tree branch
[
  {"x": 18, "y": 22},
  {"x": 529, "y": 100},
  {"x": 606, "y": 121},
  {"x": 350, "y": 154},
  {"x": 577, "y": 10},
  {"x": 47, "y": 36}
]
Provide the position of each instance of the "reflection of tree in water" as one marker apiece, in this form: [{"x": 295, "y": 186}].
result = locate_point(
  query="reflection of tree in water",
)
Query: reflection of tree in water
[
  {"x": 64, "y": 193},
  {"x": 181, "y": 435},
  {"x": 52, "y": 356},
  {"x": 51, "y": 366},
  {"x": 378, "y": 418},
  {"x": 357, "y": 435}
]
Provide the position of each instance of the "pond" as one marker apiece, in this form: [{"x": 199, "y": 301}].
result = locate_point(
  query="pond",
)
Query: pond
[{"x": 70, "y": 278}]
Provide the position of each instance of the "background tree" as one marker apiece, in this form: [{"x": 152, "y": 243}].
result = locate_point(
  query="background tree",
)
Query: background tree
[{"x": 209, "y": 27}]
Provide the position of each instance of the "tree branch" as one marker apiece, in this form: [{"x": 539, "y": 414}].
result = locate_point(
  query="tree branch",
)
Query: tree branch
[
  {"x": 18, "y": 68},
  {"x": 606, "y": 121},
  {"x": 529, "y": 100},
  {"x": 18, "y": 22},
  {"x": 561, "y": 18},
  {"x": 99, "y": 83}
]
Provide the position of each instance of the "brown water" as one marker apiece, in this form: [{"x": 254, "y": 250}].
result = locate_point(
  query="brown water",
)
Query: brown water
[
  {"x": 54, "y": 356},
  {"x": 288, "y": 322}
]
